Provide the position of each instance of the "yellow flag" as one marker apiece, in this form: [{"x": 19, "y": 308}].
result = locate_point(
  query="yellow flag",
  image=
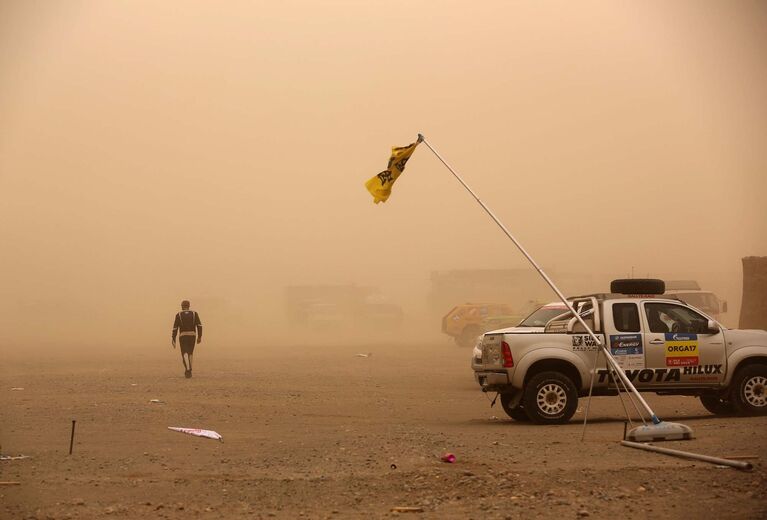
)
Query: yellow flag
[{"x": 380, "y": 185}]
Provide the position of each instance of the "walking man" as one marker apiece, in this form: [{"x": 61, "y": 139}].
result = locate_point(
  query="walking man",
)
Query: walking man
[{"x": 189, "y": 325}]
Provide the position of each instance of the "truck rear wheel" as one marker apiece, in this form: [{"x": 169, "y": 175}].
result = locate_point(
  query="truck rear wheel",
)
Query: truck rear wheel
[
  {"x": 749, "y": 390},
  {"x": 518, "y": 413},
  {"x": 550, "y": 398},
  {"x": 717, "y": 405}
]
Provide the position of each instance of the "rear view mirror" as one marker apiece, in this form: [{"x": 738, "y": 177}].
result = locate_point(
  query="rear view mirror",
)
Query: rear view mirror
[{"x": 713, "y": 327}]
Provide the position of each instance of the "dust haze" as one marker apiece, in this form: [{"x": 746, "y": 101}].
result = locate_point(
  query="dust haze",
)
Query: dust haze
[{"x": 152, "y": 152}]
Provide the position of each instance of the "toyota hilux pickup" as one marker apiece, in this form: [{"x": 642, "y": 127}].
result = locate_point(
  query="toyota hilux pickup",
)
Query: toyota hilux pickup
[{"x": 663, "y": 345}]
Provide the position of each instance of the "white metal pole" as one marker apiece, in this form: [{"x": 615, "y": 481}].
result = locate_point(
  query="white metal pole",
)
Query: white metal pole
[
  {"x": 611, "y": 361},
  {"x": 746, "y": 466}
]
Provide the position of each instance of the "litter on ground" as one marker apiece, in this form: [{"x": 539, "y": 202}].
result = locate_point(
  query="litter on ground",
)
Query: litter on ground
[
  {"x": 13, "y": 457},
  {"x": 447, "y": 457},
  {"x": 210, "y": 434}
]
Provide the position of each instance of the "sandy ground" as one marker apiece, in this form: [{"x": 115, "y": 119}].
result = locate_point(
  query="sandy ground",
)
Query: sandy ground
[{"x": 323, "y": 433}]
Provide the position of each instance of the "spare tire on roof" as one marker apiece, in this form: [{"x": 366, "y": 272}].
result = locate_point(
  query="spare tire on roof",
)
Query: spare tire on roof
[{"x": 638, "y": 286}]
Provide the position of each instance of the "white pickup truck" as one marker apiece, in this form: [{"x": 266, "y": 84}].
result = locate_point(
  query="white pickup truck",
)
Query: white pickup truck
[{"x": 663, "y": 345}]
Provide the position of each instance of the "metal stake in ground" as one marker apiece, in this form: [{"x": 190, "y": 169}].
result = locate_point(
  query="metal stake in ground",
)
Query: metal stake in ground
[
  {"x": 72, "y": 437},
  {"x": 657, "y": 430}
]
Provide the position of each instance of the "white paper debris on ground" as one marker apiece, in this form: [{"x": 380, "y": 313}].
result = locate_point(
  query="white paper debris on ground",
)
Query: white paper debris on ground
[
  {"x": 365, "y": 355},
  {"x": 156, "y": 401},
  {"x": 16, "y": 389},
  {"x": 12, "y": 457},
  {"x": 210, "y": 434}
]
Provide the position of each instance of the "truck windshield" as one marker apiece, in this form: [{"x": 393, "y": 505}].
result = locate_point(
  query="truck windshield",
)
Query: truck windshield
[{"x": 542, "y": 316}]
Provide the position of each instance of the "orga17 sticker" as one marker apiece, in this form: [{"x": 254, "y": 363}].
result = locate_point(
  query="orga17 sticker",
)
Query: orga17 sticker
[{"x": 681, "y": 349}]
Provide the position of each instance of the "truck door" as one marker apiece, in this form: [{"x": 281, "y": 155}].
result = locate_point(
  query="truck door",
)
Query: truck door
[
  {"x": 679, "y": 348},
  {"x": 625, "y": 340}
]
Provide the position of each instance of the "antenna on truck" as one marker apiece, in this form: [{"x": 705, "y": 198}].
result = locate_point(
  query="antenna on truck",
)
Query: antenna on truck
[{"x": 656, "y": 431}]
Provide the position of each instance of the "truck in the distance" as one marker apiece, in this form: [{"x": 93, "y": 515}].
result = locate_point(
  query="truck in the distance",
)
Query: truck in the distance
[{"x": 690, "y": 292}]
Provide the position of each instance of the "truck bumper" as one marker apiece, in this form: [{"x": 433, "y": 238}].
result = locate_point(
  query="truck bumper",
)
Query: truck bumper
[{"x": 492, "y": 381}]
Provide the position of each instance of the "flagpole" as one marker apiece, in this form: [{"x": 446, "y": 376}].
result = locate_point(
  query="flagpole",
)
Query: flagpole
[{"x": 611, "y": 360}]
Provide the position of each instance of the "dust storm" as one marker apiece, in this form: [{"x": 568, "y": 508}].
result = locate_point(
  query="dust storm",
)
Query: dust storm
[{"x": 151, "y": 153}]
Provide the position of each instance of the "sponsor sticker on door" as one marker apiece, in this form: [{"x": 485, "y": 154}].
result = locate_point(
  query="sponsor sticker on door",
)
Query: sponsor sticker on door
[
  {"x": 627, "y": 350},
  {"x": 681, "y": 349},
  {"x": 584, "y": 343}
]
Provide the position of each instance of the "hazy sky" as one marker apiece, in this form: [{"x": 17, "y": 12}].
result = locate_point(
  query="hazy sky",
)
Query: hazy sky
[{"x": 151, "y": 151}]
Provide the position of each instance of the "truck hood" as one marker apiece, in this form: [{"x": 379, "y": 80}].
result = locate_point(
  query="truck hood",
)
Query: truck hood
[{"x": 746, "y": 337}]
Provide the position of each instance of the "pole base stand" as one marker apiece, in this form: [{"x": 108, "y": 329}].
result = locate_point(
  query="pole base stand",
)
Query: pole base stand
[{"x": 663, "y": 431}]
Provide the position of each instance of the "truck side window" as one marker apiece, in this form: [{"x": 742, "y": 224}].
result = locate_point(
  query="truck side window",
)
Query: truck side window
[
  {"x": 666, "y": 317},
  {"x": 626, "y": 317}
]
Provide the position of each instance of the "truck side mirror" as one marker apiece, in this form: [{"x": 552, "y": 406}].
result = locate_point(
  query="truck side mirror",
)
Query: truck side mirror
[
  {"x": 712, "y": 327},
  {"x": 724, "y": 306}
]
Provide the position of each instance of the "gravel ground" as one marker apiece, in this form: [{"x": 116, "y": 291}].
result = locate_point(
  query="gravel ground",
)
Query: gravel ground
[{"x": 325, "y": 433}]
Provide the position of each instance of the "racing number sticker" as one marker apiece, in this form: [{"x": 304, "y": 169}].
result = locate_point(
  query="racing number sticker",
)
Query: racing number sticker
[{"x": 681, "y": 349}]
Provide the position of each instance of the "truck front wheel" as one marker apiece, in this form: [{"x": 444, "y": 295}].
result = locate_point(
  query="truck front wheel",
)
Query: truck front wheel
[
  {"x": 749, "y": 390},
  {"x": 550, "y": 398}
]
